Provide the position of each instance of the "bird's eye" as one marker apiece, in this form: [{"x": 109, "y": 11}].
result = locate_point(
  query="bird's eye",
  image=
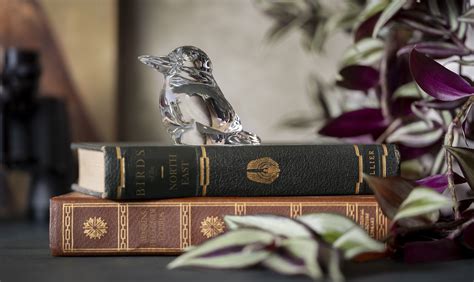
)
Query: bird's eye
[{"x": 207, "y": 64}]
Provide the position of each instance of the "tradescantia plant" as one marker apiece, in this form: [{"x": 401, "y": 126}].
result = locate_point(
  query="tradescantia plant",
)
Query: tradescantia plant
[
  {"x": 391, "y": 107},
  {"x": 316, "y": 245},
  {"x": 421, "y": 105}
]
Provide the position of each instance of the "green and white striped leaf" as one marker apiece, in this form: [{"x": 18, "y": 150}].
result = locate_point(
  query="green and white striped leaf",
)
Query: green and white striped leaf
[
  {"x": 277, "y": 225},
  {"x": 409, "y": 90},
  {"x": 420, "y": 202},
  {"x": 387, "y": 14},
  {"x": 342, "y": 233},
  {"x": 372, "y": 8},
  {"x": 453, "y": 14},
  {"x": 224, "y": 252},
  {"x": 302, "y": 249},
  {"x": 467, "y": 17},
  {"x": 417, "y": 134},
  {"x": 365, "y": 52},
  {"x": 356, "y": 241}
]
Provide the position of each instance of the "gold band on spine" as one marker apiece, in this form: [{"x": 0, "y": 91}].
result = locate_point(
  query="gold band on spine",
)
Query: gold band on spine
[
  {"x": 384, "y": 160},
  {"x": 204, "y": 171},
  {"x": 67, "y": 228},
  {"x": 361, "y": 169},
  {"x": 185, "y": 226},
  {"x": 122, "y": 238},
  {"x": 121, "y": 160}
]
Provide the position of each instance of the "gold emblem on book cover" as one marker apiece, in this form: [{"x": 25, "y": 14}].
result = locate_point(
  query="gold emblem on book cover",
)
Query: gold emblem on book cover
[
  {"x": 212, "y": 226},
  {"x": 95, "y": 227},
  {"x": 263, "y": 170}
]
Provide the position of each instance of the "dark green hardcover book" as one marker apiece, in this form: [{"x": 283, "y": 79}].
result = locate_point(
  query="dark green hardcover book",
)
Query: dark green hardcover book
[{"x": 140, "y": 171}]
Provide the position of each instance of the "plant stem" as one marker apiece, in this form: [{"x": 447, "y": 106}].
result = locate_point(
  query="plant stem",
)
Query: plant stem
[{"x": 448, "y": 141}]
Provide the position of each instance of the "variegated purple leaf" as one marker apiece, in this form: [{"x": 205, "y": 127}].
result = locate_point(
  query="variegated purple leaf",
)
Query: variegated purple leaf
[
  {"x": 235, "y": 249},
  {"x": 358, "y": 77},
  {"x": 418, "y": 134},
  {"x": 356, "y": 123},
  {"x": 424, "y": 27},
  {"x": 436, "y": 80},
  {"x": 439, "y": 182},
  {"x": 435, "y": 49},
  {"x": 441, "y": 105}
]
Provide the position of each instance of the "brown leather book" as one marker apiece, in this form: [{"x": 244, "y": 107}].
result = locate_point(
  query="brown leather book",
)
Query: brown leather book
[{"x": 86, "y": 225}]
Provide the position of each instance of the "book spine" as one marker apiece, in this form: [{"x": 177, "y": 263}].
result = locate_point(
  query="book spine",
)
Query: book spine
[
  {"x": 276, "y": 170},
  {"x": 99, "y": 228}
]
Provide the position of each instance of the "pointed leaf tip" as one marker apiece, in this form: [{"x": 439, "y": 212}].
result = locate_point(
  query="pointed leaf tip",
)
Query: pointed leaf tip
[
  {"x": 358, "y": 77},
  {"x": 465, "y": 159},
  {"x": 390, "y": 192},
  {"x": 420, "y": 202},
  {"x": 234, "y": 249},
  {"x": 436, "y": 80}
]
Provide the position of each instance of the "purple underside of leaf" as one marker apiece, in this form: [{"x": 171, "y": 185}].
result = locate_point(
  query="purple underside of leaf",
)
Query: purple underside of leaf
[
  {"x": 290, "y": 258},
  {"x": 224, "y": 251},
  {"x": 356, "y": 123},
  {"x": 410, "y": 153},
  {"x": 439, "y": 182},
  {"x": 438, "y": 250},
  {"x": 366, "y": 28},
  {"x": 362, "y": 139},
  {"x": 401, "y": 107},
  {"x": 436, "y": 50},
  {"x": 436, "y": 80},
  {"x": 358, "y": 77},
  {"x": 467, "y": 237}
]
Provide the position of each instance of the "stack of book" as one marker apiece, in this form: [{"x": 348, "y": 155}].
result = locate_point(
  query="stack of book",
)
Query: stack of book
[{"x": 148, "y": 199}]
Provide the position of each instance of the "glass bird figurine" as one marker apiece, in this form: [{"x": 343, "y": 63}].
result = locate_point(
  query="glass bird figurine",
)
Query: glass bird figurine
[{"x": 193, "y": 108}]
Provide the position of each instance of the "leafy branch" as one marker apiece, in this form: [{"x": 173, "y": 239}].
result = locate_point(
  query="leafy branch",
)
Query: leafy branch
[{"x": 314, "y": 245}]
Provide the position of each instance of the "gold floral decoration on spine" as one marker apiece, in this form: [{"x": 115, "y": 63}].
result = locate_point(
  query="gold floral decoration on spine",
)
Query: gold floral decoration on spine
[
  {"x": 95, "y": 227},
  {"x": 212, "y": 226}
]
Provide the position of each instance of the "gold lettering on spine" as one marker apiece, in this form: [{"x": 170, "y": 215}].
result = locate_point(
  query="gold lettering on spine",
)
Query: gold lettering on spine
[
  {"x": 121, "y": 161},
  {"x": 382, "y": 224},
  {"x": 240, "y": 209},
  {"x": 384, "y": 160},
  {"x": 351, "y": 211},
  {"x": 123, "y": 227},
  {"x": 185, "y": 225},
  {"x": 67, "y": 228},
  {"x": 296, "y": 210},
  {"x": 204, "y": 171},
  {"x": 361, "y": 169}
]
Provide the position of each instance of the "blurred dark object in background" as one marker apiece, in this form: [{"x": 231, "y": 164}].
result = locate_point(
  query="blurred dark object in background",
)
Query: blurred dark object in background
[
  {"x": 24, "y": 24},
  {"x": 34, "y": 136}
]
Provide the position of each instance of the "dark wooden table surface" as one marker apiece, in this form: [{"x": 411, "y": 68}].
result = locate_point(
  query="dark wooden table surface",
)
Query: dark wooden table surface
[{"x": 24, "y": 256}]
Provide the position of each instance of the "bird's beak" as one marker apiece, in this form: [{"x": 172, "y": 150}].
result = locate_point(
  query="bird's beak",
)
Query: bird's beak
[{"x": 162, "y": 64}]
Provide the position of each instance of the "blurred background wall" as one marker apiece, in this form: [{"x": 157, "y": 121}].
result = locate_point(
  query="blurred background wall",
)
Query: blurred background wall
[
  {"x": 265, "y": 83},
  {"x": 87, "y": 31}
]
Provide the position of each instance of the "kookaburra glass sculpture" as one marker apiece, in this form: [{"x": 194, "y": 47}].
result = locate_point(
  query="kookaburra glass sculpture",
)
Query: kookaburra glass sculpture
[{"x": 193, "y": 108}]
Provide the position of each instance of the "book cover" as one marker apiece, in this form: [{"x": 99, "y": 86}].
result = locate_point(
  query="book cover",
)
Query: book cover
[
  {"x": 158, "y": 172},
  {"x": 85, "y": 225}
]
